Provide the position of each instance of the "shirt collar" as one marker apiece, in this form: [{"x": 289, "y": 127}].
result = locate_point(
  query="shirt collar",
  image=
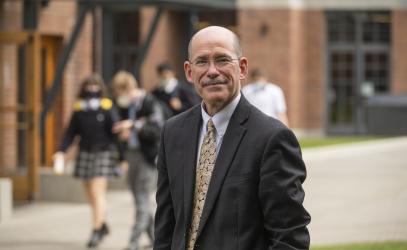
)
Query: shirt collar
[{"x": 221, "y": 119}]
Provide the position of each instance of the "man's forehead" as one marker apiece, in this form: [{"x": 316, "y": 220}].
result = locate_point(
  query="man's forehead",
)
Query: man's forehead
[{"x": 214, "y": 47}]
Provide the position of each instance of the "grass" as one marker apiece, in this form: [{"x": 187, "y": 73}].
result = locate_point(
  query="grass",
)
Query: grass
[
  {"x": 309, "y": 142},
  {"x": 402, "y": 245}
]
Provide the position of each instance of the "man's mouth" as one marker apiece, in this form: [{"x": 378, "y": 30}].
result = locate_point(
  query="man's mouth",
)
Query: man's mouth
[{"x": 214, "y": 82}]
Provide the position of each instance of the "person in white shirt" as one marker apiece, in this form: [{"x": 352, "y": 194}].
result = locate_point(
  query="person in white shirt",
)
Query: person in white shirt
[{"x": 267, "y": 97}]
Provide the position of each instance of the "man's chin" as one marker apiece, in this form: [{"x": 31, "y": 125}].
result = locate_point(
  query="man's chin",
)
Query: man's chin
[{"x": 216, "y": 99}]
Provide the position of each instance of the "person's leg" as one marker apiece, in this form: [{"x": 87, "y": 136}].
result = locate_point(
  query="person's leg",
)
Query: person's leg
[
  {"x": 96, "y": 193},
  {"x": 150, "y": 229},
  {"x": 139, "y": 178}
]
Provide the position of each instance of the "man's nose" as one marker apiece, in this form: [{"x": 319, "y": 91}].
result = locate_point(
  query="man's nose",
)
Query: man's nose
[{"x": 212, "y": 70}]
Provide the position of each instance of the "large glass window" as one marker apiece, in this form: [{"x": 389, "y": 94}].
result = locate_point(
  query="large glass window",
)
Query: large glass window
[
  {"x": 121, "y": 40},
  {"x": 358, "y": 65},
  {"x": 342, "y": 27},
  {"x": 376, "y": 28},
  {"x": 125, "y": 40}
]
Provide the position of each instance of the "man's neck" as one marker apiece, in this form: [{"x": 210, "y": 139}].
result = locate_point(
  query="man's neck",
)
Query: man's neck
[{"x": 213, "y": 108}]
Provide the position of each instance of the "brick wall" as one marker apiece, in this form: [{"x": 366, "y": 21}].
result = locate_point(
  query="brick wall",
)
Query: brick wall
[
  {"x": 399, "y": 52},
  {"x": 10, "y": 13},
  {"x": 8, "y": 118},
  {"x": 312, "y": 80},
  {"x": 159, "y": 49},
  {"x": 167, "y": 45},
  {"x": 287, "y": 46}
]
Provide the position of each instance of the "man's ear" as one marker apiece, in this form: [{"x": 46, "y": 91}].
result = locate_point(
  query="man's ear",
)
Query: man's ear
[
  {"x": 187, "y": 70},
  {"x": 244, "y": 67}
]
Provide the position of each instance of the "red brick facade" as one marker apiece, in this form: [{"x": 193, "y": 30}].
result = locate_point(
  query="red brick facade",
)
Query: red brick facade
[
  {"x": 399, "y": 52},
  {"x": 159, "y": 49},
  {"x": 288, "y": 46},
  {"x": 166, "y": 45},
  {"x": 9, "y": 12}
]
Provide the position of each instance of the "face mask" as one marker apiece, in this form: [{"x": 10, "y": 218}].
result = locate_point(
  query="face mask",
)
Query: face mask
[
  {"x": 123, "y": 101},
  {"x": 93, "y": 94},
  {"x": 164, "y": 82}
]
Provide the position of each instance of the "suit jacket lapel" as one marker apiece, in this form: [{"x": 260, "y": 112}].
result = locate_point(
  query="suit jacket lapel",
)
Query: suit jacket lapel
[
  {"x": 191, "y": 129},
  {"x": 232, "y": 138}
]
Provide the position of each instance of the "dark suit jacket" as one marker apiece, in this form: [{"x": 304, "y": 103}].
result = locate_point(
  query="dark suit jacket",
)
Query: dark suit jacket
[{"x": 254, "y": 201}]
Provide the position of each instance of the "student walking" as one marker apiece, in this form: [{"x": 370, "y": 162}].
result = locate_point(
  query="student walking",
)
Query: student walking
[
  {"x": 92, "y": 122},
  {"x": 142, "y": 118}
]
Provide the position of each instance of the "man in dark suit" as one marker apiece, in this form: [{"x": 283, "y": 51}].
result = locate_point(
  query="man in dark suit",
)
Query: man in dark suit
[{"x": 229, "y": 177}]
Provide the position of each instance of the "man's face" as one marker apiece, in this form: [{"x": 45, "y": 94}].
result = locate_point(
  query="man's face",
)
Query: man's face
[{"x": 214, "y": 68}]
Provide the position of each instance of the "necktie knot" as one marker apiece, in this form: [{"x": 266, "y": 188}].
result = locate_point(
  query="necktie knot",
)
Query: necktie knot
[{"x": 210, "y": 127}]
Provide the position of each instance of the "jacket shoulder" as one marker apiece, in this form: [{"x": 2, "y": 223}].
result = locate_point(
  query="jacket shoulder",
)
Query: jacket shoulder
[
  {"x": 264, "y": 123},
  {"x": 183, "y": 117}
]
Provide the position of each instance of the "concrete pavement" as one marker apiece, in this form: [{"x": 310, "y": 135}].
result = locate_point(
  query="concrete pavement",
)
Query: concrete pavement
[
  {"x": 65, "y": 226},
  {"x": 354, "y": 193},
  {"x": 357, "y": 192}
]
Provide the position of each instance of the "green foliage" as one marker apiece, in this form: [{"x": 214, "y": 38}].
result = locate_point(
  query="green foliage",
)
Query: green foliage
[
  {"x": 402, "y": 245},
  {"x": 309, "y": 142}
]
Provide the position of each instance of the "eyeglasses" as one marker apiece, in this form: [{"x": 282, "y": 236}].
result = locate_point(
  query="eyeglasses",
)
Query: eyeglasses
[{"x": 219, "y": 62}]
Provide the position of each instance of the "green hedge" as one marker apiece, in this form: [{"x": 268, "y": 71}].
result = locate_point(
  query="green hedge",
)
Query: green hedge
[
  {"x": 366, "y": 246},
  {"x": 308, "y": 142}
]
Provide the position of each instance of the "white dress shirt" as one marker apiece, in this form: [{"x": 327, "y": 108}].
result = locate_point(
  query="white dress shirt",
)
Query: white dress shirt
[
  {"x": 220, "y": 121},
  {"x": 267, "y": 97}
]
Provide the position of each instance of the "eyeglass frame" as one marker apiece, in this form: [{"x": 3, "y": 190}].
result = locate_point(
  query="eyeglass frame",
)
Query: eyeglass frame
[{"x": 207, "y": 62}]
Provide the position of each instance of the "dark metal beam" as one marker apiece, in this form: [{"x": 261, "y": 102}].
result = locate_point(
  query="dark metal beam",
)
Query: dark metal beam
[
  {"x": 147, "y": 43},
  {"x": 56, "y": 84},
  {"x": 30, "y": 14}
]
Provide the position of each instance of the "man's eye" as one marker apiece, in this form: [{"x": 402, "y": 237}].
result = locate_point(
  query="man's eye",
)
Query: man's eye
[
  {"x": 223, "y": 60},
  {"x": 201, "y": 62}
]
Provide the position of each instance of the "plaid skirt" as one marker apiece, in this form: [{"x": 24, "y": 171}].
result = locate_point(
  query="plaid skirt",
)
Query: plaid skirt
[{"x": 96, "y": 164}]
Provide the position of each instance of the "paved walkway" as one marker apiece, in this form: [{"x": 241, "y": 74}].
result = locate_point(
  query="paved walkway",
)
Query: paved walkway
[
  {"x": 65, "y": 226},
  {"x": 354, "y": 193},
  {"x": 358, "y": 193}
]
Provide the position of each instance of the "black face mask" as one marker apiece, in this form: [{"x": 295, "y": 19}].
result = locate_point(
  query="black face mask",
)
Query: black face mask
[{"x": 92, "y": 94}]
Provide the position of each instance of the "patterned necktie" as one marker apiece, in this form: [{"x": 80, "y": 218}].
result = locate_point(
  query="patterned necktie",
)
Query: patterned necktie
[{"x": 207, "y": 158}]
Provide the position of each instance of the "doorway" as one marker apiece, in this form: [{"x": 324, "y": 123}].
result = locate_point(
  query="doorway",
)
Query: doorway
[
  {"x": 50, "y": 49},
  {"x": 19, "y": 112}
]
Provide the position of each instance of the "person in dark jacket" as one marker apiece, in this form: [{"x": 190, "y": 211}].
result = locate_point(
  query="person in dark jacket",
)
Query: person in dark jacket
[
  {"x": 92, "y": 123},
  {"x": 229, "y": 176},
  {"x": 142, "y": 118},
  {"x": 178, "y": 96}
]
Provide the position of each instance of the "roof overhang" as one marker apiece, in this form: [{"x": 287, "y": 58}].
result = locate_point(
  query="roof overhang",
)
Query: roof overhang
[{"x": 171, "y": 4}]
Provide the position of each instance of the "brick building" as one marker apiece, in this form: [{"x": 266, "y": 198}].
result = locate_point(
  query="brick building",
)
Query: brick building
[{"x": 328, "y": 56}]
